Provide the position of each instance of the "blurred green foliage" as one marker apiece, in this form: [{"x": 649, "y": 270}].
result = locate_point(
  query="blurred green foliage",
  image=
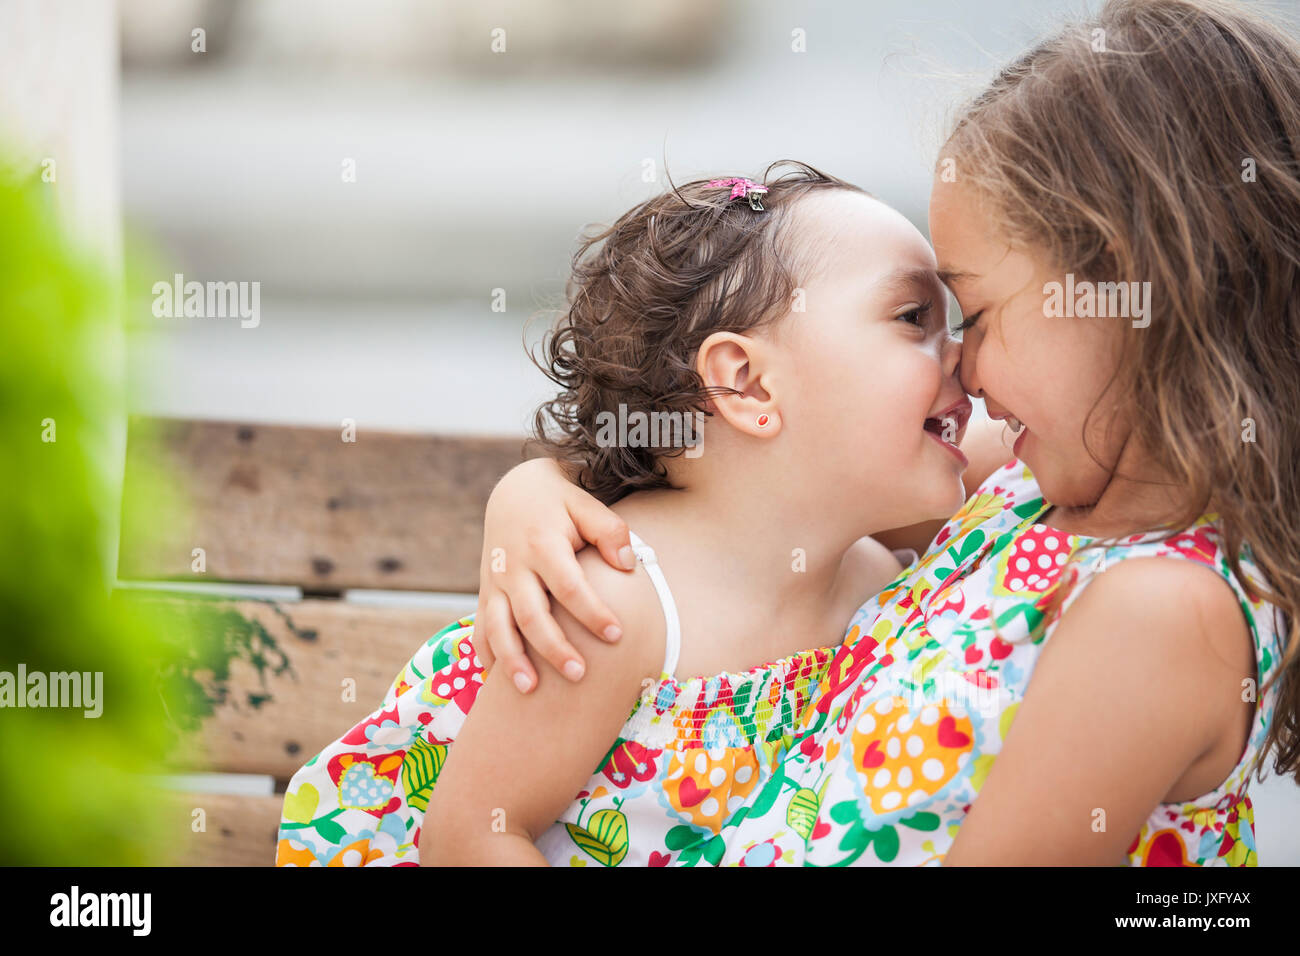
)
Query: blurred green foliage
[
  {"x": 71, "y": 790},
  {"x": 76, "y": 790}
]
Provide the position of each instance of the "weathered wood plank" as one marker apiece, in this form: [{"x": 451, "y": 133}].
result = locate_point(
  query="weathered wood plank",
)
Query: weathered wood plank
[
  {"x": 326, "y": 643},
  {"x": 278, "y": 504},
  {"x": 237, "y": 830}
]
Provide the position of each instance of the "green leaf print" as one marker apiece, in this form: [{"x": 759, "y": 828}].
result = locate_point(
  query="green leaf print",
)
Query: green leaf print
[
  {"x": 441, "y": 656},
  {"x": 856, "y": 839},
  {"x": 746, "y": 715},
  {"x": 420, "y": 768},
  {"x": 969, "y": 545},
  {"x": 714, "y": 849},
  {"x": 1033, "y": 616},
  {"x": 330, "y": 831},
  {"x": 886, "y": 844},
  {"x": 922, "y": 821},
  {"x": 1028, "y": 509},
  {"x": 680, "y": 837},
  {"x": 694, "y": 844},
  {"x": 846, "y": 811},
  {"x": 690, "y": 857},
  {"x": 802, "y": 812},
  {"x": 604, "y": 838}
]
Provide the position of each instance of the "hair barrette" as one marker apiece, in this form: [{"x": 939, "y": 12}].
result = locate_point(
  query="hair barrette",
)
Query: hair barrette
[{"x": 741, "y": 189}]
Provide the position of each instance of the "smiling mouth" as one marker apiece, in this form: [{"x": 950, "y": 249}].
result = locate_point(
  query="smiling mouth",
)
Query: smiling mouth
[{"x": 948, "y": 426}]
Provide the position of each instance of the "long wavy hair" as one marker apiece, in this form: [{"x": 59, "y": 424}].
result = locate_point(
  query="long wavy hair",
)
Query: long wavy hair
[{"x": 1160, "y": 140}]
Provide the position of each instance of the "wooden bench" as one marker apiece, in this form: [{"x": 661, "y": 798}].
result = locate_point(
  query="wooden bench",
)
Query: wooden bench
[{"x": 301, "y": 507}]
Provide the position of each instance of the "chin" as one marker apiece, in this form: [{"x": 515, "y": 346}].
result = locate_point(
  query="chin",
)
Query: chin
[
  {"x": 1061, "y": 485},
  {"x": 941, "y": 498}
]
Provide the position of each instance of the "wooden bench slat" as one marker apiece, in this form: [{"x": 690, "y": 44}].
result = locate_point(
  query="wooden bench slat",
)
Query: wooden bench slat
[
  {"x": 329, "y": 642},
  {"x": 239, "y": 830},
  {"x": 276, "y": 504}
]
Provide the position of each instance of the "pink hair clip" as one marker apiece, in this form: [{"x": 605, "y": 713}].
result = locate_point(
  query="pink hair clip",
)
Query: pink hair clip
[{"x": 741, "y": 188}]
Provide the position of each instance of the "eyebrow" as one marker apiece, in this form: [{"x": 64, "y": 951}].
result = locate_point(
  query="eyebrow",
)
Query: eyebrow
[
  {"x": 947, "y": 276},
  {"x": 903, "y": 278}
]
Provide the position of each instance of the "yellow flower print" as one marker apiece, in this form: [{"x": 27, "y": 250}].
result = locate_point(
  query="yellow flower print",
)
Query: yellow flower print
[
  {"x": 905, "y": 757},
  {"x": 976, "y": 511},
  {"x": 707, "y": 786}
]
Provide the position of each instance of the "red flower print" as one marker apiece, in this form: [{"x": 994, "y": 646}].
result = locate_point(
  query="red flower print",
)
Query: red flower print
[
  {"x": 368, "y": 782},
  {"x": 844, "y": 670},
  {"x": 1166, "y": 849},
  {"x": 1198, "y": 544},
  {"x": 630, "y": 761},
  {"x": 981, "y": 679},
  {"x": 357, "y": 735}
]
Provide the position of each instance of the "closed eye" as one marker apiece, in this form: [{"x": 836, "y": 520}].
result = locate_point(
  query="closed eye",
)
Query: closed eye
[{"x": 968, "y": 323}]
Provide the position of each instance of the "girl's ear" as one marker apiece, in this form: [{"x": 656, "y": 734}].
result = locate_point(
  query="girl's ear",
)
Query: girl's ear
[{"x": 735, "y": 371}]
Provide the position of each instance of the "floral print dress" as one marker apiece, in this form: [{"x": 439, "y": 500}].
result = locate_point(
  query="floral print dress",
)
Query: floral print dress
[
  {"x": 690, "y": 754},
  {"x": 915, "y": 706}
]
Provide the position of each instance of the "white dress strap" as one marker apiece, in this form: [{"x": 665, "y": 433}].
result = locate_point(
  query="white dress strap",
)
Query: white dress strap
[{"x": 673, "y": 628}]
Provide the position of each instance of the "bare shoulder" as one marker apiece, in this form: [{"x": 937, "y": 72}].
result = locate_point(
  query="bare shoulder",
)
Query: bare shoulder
[
  {"x": 632, "y": 597},
  {"x": 1184, "y": 606},
  {"x": 1174, "y": 624}
]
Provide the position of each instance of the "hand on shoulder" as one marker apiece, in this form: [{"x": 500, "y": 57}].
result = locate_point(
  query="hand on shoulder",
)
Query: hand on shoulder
[{"x": 633, "y": 600}]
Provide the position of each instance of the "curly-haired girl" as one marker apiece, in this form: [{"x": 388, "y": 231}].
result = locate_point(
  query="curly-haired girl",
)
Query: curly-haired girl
[{"x": 753, "y": 303}]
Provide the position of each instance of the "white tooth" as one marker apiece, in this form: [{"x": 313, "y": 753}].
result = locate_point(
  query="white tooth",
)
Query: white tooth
[{"x": 1014, "y": 423}]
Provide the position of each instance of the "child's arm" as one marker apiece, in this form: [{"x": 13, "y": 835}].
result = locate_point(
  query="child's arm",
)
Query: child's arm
[
  {"x": 1140, "y": 683},
  {"x": 539, "y": 518},
  {"x": 520, "y": 759}
]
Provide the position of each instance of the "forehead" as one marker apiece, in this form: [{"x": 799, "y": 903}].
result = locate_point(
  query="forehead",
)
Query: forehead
[
  {"x": 843, "y": 231},
  {"x": 959, "y": 230},
  {"x": 969, "y": 245}
]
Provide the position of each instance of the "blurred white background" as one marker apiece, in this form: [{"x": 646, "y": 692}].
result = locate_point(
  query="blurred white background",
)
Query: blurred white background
[{"x": 476, "y": 170}]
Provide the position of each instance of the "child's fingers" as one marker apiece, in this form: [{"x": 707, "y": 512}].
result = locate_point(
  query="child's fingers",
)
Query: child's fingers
[
  {"x": 505, "y": 646},
  {"x": 483, "y": 630},
  {"x": 531, "y": 610},
  {"x": 564, "y": 578},
  {"x": 598, "y": 525}
]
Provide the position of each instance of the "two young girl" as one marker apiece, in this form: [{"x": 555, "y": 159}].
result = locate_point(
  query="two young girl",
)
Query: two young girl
[
  {"x": 1138, "y": 558},
  {"x": 754, "y": 554}
]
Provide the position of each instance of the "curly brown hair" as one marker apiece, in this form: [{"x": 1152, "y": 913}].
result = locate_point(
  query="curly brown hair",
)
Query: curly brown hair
[
  {"x": 644, "y": 294},
  {"x": 1173, "y": 154}
]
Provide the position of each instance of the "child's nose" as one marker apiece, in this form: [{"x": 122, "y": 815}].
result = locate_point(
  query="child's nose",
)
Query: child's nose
[
  {"x": 951, "y": 358},
  {"x": 966, "y": 372}
]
